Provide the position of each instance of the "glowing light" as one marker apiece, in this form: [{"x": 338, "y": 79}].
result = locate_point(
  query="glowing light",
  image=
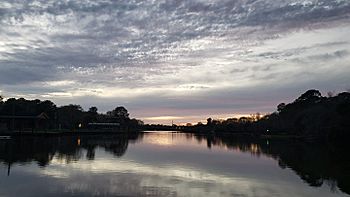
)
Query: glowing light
[
  {"x": 159, "y": 139},
  {"x": 254, "y": 148},
  {"x": 164, "y": 118}
]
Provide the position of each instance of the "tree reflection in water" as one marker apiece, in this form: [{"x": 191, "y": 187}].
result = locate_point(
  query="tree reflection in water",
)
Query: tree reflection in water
[
  {"x": 316, "y": 163},
  {"x": 42, "y": 150}
]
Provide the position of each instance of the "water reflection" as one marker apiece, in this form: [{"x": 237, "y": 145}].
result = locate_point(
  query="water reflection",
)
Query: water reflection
[
  {"x": 315, "y": 162},
  {"x": 42, "y": 150},
  {"x": 175, "y": 164}
]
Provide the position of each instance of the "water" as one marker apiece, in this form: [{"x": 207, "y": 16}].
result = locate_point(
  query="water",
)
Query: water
[{"x": 171, "y": 164}]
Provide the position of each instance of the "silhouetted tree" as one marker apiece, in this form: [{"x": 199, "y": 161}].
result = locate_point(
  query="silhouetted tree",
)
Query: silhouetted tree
[
  {"x": 309, "y": 115},
  {"x": 119, "y": 112},
  {"x": 93, "y": 110},
  {"x": 64, "y": 117},
  {"x": 70, "y": 116},
  {"x": 310, "y": 95},
  {"x": 1, "y": 103},
  {"x": 209, "y": 121},
  {"x": 90, "y": 116},
  {"x": 280, "y": 107}
]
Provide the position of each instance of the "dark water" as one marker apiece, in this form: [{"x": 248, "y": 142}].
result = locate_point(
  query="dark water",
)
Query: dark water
[{"x": 171, "y": 164}]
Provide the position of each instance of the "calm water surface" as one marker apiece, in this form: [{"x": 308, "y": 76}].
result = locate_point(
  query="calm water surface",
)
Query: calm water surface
[{"x": 171, "y": 164}]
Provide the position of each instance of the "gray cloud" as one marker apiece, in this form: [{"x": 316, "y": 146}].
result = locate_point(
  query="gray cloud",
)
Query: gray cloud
[
  {"x": 330, "y": 56},
  {"x": 144, "y": 52}
]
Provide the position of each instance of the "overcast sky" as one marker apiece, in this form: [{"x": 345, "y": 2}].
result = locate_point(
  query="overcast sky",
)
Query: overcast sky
[{"x": 181, "y": 60}]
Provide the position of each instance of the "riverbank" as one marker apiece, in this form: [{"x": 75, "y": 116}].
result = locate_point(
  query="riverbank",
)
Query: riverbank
[
  {"x": 114, "y": 132},
  {"x": 65, "y": 132}
]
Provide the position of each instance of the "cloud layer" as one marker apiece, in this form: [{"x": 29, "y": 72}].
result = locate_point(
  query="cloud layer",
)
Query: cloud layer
[{"x": 172, "y": 57}]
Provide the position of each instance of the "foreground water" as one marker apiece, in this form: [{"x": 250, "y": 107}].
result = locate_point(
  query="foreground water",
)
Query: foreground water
[{"x": 171, "y": 164}]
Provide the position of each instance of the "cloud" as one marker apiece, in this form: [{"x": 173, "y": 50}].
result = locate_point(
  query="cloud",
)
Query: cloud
[{"x": 142, "y": 52}]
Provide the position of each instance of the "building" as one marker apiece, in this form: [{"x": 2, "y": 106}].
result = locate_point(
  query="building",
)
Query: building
[
  {"x": 24, "y": 123},
  {"x": 104, "y": 125}
]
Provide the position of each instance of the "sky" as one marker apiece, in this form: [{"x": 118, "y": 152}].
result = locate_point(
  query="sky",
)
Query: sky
[{"x": 174, "y": 60}]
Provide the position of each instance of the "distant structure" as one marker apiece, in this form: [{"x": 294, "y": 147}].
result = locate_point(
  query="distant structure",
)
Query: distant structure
[
  {"x": 24, "y": 123},
  {"x": 103, "y": 125}
]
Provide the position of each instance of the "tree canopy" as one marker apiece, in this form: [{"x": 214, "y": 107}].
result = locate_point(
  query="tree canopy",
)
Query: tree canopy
[
  {"x": 68, "y": 116},
  {"x": 310, "y": 114}
]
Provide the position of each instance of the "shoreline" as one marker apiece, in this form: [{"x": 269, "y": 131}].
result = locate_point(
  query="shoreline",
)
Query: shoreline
[
  {"x": 64, "y": 133},
  {"x": 114, "y": 132}
]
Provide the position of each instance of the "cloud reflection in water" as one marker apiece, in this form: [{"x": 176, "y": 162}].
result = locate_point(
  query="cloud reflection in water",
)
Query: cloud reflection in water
[{"x": 147, "y": 168}]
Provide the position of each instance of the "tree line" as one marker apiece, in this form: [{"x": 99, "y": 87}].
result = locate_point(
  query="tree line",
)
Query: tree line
[
  {"x": 68, "y": 117},
  {"x": 311, "y": 114}
]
